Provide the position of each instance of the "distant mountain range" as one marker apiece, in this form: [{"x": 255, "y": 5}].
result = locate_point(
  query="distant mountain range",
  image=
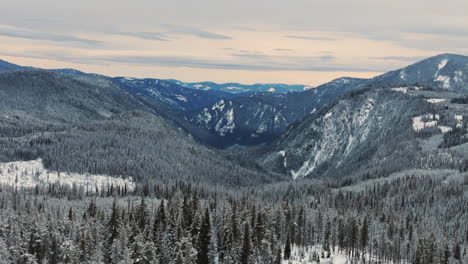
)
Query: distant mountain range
[
  {"x": 89, "y": 124},
  {"x": 226, "y": 115},
  {"x": 237, "y": 88},
  {"x": 262, "y": 117}
]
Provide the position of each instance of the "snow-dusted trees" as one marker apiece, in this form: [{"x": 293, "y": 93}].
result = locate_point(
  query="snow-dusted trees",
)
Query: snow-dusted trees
[{"x": 191, "y": 225}]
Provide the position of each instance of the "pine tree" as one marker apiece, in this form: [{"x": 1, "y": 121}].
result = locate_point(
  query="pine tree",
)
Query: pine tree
[
  {"x": 204, "y": 239},
  {"x": 446, "y": 257},
  {"x": 142, "y": 215},
  {"x": 278, "y": 256},
  {"x": 364, "y": 234},
  {"x": 287, "y": 248},
  {"x": 457, "y": 252},
  {"x": 112, "y": 233},
  {"x": 246, "y": 246}
]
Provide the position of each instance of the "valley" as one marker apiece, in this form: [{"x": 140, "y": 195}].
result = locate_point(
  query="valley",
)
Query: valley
[{"x": 99, "y": 169}]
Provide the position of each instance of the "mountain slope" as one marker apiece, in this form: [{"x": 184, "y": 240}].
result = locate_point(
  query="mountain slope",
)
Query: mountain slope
[
  {"x": 261, "y": 117},
  {"x": 51, "y": 96},
  {"x": 173, "y": 95},
  {"x": 76, "y": 126},
  {"x": 446, "y": 71},
  {"x": 371, "y": 130},
  {"x": 6, "y": 66}
]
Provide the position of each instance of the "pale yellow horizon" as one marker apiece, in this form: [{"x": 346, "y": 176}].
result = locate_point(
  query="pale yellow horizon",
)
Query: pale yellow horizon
[{"x": 243, "y": 41}]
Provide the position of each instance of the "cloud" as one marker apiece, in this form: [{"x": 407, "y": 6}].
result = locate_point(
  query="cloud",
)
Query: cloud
[
  {"x": 285, "y": 50},
  {"x": 305, "y": 64},
  {"x": 16, "y": 32},
  {"x": 145, "y": 35},
  {"x": 311, "y": 38},
  {"x": 399, "y": 58},
  {"x": 175, "y": 29},
  {"x": 260, "y": 63}
]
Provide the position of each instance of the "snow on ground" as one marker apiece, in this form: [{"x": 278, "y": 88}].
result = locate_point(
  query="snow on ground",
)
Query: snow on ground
[
  {"x": 435, "y": 100},
  {"x": 28, "y": 174},
  {"x": 442, "y": 64},
  {"x": 402, "y": 75},
  {"x": 459, "y": 119},
  {"x": 419, "y": 124},
  {"x": 309, "y": 255},
  {"x": 429, "y": 120},
  {"x": 181, "y": 98},
  {"x": 445, "y": 80},
  {"x": 400, "y": 89},
  {"x": 282, "y": 153},
  {"x": 445, "y": 129},
  {"x": 458, "y": 76}
]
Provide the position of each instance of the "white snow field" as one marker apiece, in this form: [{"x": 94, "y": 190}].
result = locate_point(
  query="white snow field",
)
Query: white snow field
[
  {"x": 308, "y": 256},
  {"x": 28, "y": 174}
]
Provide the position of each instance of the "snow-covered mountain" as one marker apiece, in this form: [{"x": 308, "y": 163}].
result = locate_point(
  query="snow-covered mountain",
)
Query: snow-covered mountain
[
  {"x": 374, "y": 129},
  {"x": 170, "y": 94},
  {"x": 238, "y": 88},
  {"x": 261, "y": 117},
  {"x": 446, "y": 71},
  {"x": 6, "y": 66},
  {"x": 91, "y": 125}
]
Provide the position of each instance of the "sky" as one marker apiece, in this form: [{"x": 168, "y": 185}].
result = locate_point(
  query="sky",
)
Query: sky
[{"x": 248, "y": 41}]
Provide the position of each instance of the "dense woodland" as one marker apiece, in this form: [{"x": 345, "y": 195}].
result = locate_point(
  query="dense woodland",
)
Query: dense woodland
[
  {"x": 413, "y": 219},
  {"x": 401, "y": 197}
]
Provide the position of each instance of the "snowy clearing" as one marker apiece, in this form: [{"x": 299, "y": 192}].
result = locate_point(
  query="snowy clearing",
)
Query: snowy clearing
[
  {"x": 419, "y": 124},
  {"x": 310, "y": 255},
  {"x": 28, "y": 174},
  {"x": 181, "y": 98},
  {"x": 435, "y": 100},
  {"x": 400, "y": 89}
]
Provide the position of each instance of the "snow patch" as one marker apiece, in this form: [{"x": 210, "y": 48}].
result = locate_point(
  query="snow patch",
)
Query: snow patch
[
  {"x": 219, "y": 106},
  {"x": 458, "y": 76},
  {"x": 400, "y": 89},
  {"x": 419, "y": 124},
  {"x": 229, "y": 125},
  {"x": 459, "y": 119},
  {"x": 445, "y": 80},
  {"x": 262, "y": 128},
  {"x": 435, "y": 100},
  {"x": 445, "y": 129},
  {"x": 29, "y": 174},
  {"x": 181, "y": 98},
  {"x": 282, "y": 153},
  {"x": 402, "y": 75},
  {"x": 310, "y": 255},
  {"x": 442, "y": 64}
]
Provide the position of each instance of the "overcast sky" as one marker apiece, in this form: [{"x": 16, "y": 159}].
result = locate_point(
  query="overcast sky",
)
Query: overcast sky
[{"x": 249, "y": 41}]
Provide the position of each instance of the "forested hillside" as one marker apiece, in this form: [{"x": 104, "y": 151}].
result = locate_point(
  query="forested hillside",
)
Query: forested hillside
[
  {"x": 98, "y": 128},
  {"x": 418, "y": 218},
  {"x": 95, "y": 170},
  {"x": 374, "y": 131}
]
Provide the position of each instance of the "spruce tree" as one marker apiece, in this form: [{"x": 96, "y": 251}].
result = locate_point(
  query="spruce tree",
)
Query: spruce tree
[
  {"x": 112, "y": 233},
  {"x": 287, "y": 248},
  {"x": 246, "y": 246},
  {"x": 204, "y": 240}
]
